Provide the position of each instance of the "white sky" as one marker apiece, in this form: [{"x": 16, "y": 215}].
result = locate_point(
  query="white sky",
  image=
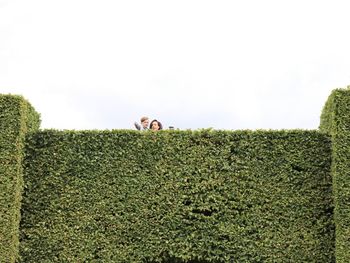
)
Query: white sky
[{"x": 233, "y": 64}]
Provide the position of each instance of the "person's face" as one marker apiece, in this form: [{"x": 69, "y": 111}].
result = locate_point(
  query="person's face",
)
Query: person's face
[
  {"x": 155, "y": 126},
  {"x": 145, "y": 124}
]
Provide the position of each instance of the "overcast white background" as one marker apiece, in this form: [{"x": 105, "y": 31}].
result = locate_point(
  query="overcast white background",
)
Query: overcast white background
[{"x": 191, "y": 64}]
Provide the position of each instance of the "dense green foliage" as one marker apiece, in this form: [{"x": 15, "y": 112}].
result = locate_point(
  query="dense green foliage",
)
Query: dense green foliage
[
  {"x": 335, "y": 120},
  {"x": 177, "y": 196},
  {"x": 17, "y": 117}
]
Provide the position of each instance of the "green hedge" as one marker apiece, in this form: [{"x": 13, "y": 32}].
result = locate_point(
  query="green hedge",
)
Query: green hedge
[
  {"x": 177, "y": 196},
  {"x": 335, "y": 120},
  {"x": 17, "y": 117}
]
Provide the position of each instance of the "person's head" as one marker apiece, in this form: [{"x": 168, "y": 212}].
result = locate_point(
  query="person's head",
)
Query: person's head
[
  {"x": 155, "y": 125},
  {"x": 144, "y": 122}
]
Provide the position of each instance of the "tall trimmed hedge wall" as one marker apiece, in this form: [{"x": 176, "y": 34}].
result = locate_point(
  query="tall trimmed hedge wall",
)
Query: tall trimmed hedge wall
[
  {"x": 17, "y": 118},
  {"x": 177, "y": 196},
  {"x": 335, "y": 120}
]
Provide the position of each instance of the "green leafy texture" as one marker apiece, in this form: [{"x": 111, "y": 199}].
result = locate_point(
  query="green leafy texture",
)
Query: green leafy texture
[
  {"x": 335, "y": 120},
  {"x": 177, "y": 196},
  {"x": 17, "y": 117}
]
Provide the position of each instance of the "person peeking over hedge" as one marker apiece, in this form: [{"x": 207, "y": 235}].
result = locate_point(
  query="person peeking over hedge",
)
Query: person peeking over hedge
[
  {"x": 144, "y": 124},
  {"x": 156, "y": 125}
]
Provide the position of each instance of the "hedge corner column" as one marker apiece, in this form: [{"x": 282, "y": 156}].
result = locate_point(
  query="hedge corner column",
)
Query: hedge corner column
[
  {"x": 17, "y": 117},
  {"x": 335, "y": 120}
]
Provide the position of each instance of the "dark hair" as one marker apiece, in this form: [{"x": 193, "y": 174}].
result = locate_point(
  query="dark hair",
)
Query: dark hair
[{"x": 159, "y": 124}]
